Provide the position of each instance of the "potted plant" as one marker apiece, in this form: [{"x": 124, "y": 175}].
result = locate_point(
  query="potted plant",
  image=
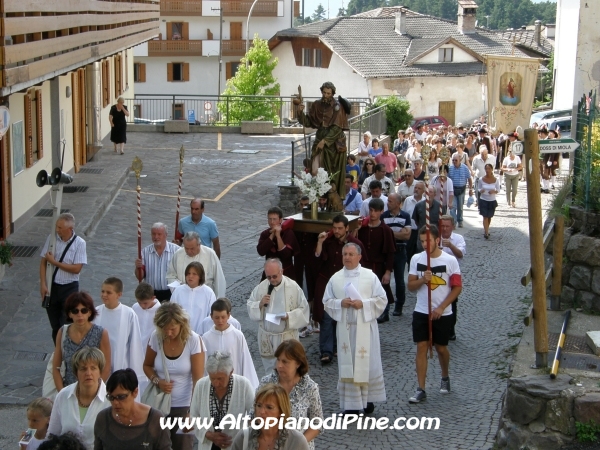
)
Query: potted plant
[{"x": 5, "y": 257}]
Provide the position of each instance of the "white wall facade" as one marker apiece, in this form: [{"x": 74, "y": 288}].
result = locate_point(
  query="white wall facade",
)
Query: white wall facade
[
  {"x": 565, "y": 52},
  {"x": 204, "y": 70}
]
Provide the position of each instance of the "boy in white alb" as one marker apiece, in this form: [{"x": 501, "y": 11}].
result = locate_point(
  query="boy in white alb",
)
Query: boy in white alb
[
  {"x": 225, "y": 338},
  {"x": 126, "y": 349},
  {"x": 195, "y": 297},
  {"x": 208, "y": 324},
  {"x": 446, "y": 284},
  {"x": 145, "y": 309}
]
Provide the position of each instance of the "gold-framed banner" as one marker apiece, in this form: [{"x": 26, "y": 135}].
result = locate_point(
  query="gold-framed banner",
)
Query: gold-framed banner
[{"x": 511, "y": 85}]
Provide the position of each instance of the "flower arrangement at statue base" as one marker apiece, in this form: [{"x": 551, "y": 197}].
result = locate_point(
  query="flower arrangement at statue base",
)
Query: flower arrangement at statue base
[{"x": 314, "y": 187}]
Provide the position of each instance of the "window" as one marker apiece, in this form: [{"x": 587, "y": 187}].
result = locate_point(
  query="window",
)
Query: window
[
  {"x": 231, "y": 69},
  {"x": 312, "y": 57},
  {"x": 178, "y": 31},
  {"x": 178, "y": 72},
  {"x": 317, "y": 57},
  {"x": 34, "y": 135},
  {"x": 306, "y": 57},
  {"x": 105, "y": 83},
  {"x": 139, "y": 72},
  {"x": 445, "y": 54}
]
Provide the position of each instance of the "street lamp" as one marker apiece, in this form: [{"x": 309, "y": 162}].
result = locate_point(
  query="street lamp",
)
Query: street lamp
[
  {"x": 488, "y": 21},
  {"x": 248, "y": 30}
]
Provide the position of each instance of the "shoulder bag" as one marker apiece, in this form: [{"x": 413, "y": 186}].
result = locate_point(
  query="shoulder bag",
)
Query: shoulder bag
[
  {"x": 49, "y": 387},
  {"x": 153, "y": 396}
]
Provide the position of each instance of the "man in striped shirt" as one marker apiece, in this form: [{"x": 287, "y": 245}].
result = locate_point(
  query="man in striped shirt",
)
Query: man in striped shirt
[
  {"x": 65, "y": 267},
  {"x": 460, "y": 175},
  {"x": 156, "y": 258}
]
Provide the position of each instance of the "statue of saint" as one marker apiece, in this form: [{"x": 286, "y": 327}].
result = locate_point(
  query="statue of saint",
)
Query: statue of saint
[{"x": 329, "y": 117}]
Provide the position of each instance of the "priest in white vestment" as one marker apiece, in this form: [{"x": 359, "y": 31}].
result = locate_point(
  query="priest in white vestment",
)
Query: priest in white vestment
[
  {"x": 196, "y": 302},
  {"x": 193, "y": 251},
  {"x": 355, "y": 298},
  {"x": 280, "y": 308}
]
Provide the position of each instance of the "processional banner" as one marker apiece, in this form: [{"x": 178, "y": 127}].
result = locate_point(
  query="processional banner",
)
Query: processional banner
[{"x": 511, "y": 88}]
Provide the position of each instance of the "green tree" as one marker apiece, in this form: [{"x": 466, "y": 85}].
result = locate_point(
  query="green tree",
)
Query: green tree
[
  {"x": 319, "y": 14},
  {"x": 255, "y": 81},
  {"x": 342, "y": 12},
  {"x": 396, "y": 113}
]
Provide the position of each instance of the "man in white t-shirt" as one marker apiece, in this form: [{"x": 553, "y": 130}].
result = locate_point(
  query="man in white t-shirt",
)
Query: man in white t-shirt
[{"x": 444, "y": 279}]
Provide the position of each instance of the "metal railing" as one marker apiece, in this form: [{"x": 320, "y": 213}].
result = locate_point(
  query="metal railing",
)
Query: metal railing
[
  {"x": 217, "y": 110},
  {"x": 586, "y": 166}
]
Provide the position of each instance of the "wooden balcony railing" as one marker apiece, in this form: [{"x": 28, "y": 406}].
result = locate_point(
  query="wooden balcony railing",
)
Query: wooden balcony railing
[
  {"x": 266, "y": 8},
  {"x": 234, "y": 47},
  {"x": 42, "y": 39},
  {"x": 175, "y": 48},
  {"x": 181, "y": 7}
]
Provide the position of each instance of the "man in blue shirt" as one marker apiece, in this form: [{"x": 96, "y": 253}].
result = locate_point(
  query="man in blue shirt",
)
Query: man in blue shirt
[
  {"x": 353, "y": 200},
  {"x": 201, "y": 224},
  {"x": 460, "y": 175},
  {"x": 400, "y": 223}
]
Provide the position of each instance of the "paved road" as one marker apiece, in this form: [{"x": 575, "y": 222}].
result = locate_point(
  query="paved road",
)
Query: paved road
[{"x": 490, "y": 307}]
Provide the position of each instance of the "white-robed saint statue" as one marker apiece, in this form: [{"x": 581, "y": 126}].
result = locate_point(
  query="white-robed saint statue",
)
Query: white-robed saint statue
[
  {"x": 355, "y": 299},
  {"x": 280, "y": 308},
  {"x": 193, "y": 251}
]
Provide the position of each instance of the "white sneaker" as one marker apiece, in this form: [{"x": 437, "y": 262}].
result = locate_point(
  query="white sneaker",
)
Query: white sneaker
[{"x": 315, "y": 327}]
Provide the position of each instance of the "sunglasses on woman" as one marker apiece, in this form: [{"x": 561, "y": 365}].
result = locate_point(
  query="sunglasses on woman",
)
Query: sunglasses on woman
[
  {"x": 120, "y": 397},
  {"x": 76, "y": 311}
]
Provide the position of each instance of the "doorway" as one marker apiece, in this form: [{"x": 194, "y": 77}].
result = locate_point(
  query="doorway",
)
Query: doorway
[{"x": 447, "y": 111}]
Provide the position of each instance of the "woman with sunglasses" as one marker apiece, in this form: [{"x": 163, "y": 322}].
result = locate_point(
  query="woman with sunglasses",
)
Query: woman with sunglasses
[
  {"x": 127, "y": 423},
  {"x": 366, "y": 171},
  {"x": 77, "y": 405},
  {"x": 79, "y": 332}
]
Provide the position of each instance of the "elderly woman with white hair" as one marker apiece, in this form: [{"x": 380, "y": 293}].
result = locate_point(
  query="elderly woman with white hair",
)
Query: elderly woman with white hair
[{"x": 217, "y": 395}]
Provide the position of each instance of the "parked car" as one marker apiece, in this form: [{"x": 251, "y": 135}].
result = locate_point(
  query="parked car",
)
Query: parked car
[
  {"x": 432, "y": 121},
  {"x": 562, "y": 123},
  {"x": 537, "y": 117},
  {"x": 141, "y": 121}
]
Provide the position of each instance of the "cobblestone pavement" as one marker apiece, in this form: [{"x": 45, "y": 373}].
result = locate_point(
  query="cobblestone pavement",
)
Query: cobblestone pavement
[{"x": 490, "y": 308}]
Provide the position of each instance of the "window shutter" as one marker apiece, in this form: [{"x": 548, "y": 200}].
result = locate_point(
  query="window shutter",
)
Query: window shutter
[
  {"x": 28, "y": 133},
  {"x": 169, "y": 71},
  {"x": 40, "y": 133},
  {"x": 169, "y": 31},
  {"x": 186, "y": 71},
  {"x": 142, "y": 72},
  {"x": 185, "y": 31},
  {"x": 117, "y": 61},
  {"x": 227, "y": 71}
]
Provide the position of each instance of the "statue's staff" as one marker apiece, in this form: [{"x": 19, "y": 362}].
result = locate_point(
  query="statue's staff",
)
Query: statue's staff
[
  {"x": 425, "y": 153},
  {"x": 298, "y": 101},
  {"x": 137, "y": 167},
  {"x": 178, "y": 235}
]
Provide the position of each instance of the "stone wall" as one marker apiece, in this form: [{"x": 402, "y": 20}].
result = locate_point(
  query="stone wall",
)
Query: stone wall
[
  {"x": 289, "y": 197},
  {"x": 540, "y": 413}
]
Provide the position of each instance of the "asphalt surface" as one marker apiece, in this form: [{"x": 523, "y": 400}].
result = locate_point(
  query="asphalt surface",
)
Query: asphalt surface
[{"x": 244, "y": 186}]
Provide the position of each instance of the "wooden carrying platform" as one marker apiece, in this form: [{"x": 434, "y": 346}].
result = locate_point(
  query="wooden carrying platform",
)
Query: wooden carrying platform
[{"x": 317, "y": 226}]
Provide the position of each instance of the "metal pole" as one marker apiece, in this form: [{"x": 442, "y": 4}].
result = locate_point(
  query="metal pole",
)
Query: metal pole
[
  {"x": 293, "y": 184},
  {"x": 536, "y": 247},
  {"x": 248, "y": 29},
  {"x": 220, "y": 48}
]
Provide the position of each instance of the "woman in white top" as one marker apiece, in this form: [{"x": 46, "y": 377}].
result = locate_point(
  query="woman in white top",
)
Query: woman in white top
[
  {"x": 489, "y": 186},
  {"x": 434, "y": 163},
  {"x": 77, "y": 405},
  {"x": 184, "y": 355},
  {"x": 511, "y": 167}
]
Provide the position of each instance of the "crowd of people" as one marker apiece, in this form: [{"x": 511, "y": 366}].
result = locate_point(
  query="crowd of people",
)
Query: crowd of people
[{"x": 116, "y": 370}]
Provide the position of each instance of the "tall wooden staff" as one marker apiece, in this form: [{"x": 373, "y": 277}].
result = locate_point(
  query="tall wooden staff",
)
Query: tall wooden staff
[
  {"x": 425, "y": 153},
  {"x": 137, "y": 167},
  {"x": 178, "y": 235}
]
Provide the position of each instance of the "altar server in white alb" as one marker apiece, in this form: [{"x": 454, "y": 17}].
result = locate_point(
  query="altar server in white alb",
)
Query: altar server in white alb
[
  {"x": 195, "y": 297},
  {"x": 193, "y": 251},
  {"x": 123, "y": 328},
  {"x": 355, "y": 299},
  {"x": 225, "y": 338},
  {"x": 280, "y": 308},
  {"x": 145, "y": 309}
]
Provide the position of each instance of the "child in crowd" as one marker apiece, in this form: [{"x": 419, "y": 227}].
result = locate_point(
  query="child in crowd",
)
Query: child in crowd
[
  {"x": 353, "y": 169},
  {"x": 207, "y": 324},
  {"x": 38, "y": 419},
  {"x": 123, "y": 329},
  {"x": 145, "y": 309},
  {"x": 194, "y": 297},
  {"x": 225, "y": 338}
]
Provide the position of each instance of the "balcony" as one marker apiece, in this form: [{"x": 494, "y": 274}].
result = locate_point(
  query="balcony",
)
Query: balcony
[
  {"x": 234, "y": 8},
  {"x": 43, "y": 39},
  {"x": 175, "y": 48},
  {"x": 181, "y": 7},
  {"x": 234, "y": 47}
]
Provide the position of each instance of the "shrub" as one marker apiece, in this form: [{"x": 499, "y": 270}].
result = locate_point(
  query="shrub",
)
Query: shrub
[{"x": 396, "y": 113}]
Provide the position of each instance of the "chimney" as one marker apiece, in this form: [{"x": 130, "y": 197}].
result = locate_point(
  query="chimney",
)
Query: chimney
[
  {"x": 400, "y": 26},
  {"x": 467, "y": 10},
  {"x": 537, "y": 34}
]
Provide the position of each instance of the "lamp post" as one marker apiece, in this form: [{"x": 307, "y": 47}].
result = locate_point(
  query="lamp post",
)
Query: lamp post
[
  {"x": 248, "y": 30},
  {"x": 220, "y": 47},
  {"x": 488, "y": 21}
]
